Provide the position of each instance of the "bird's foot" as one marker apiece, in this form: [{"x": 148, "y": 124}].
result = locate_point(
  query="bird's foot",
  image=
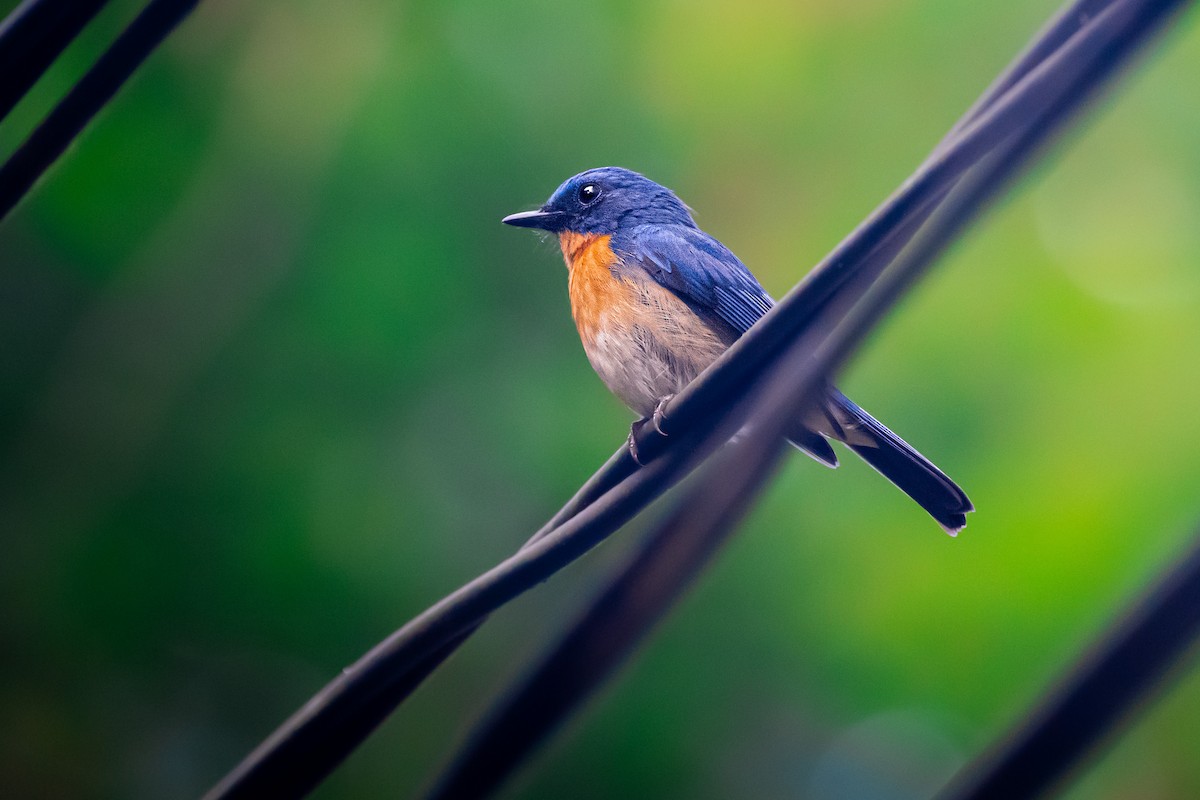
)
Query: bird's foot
[
  {"x": 656, "y": 419},
  {"x": 634, "y": 430}
]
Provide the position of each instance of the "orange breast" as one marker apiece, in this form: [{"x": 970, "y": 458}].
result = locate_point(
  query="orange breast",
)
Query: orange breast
[
  {"x": 643, "y": 341},
  {"x": 591, "y": 285}
]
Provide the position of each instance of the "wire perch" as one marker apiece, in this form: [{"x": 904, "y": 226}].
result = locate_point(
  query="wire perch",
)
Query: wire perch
[{"x": 1070, "y": 58}]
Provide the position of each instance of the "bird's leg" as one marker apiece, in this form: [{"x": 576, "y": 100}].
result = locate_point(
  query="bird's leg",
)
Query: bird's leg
[{"x": 656, "y": 419}]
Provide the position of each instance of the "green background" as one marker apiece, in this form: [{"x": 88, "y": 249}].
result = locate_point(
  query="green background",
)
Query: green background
[{"x": 275, "y": 378}]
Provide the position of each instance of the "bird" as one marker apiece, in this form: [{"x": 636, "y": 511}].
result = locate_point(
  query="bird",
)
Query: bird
[{"x": 656, "y": 300}]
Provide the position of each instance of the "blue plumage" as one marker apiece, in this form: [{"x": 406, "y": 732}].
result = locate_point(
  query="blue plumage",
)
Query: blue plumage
[{"x": 699, "y": 269}]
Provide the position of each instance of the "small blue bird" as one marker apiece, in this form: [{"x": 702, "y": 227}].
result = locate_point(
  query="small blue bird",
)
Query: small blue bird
[{"x": 656, "y": 300}]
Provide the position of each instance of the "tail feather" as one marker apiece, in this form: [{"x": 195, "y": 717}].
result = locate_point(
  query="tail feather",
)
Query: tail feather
[
  {"x": 897, "y": 461},
  {"x": 814, "y": 445}
]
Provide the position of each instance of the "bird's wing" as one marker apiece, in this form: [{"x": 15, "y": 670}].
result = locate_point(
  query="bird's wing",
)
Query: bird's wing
[{"x": 701, "y": 271}]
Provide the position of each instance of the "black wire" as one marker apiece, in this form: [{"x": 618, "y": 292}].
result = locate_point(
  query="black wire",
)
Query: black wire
[
  {"x": 330, "y": 725},
  {"x": 1061, "y": 27},
  {"x": 32, "y": 36},
  {"x": 606, "y": 636},
  {"x": 647, "y": 585},
  {"x": 1122, "y": 671},
  {"x": 87, "y": 97},
  {"x": 333, "y": 723}
]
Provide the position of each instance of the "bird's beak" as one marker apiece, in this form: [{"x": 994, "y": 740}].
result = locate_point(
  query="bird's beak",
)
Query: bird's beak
[{"x": 544, "y": 220}]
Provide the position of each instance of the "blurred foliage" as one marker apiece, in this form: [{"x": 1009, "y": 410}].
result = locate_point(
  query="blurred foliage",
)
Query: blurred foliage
[{"x": 276, "y": 379}]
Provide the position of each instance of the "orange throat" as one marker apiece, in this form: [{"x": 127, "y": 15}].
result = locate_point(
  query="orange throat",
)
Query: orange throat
[{"x": 591, "y": 284}]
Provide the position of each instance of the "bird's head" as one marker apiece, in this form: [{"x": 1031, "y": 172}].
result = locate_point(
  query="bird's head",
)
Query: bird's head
[{"x": 601, "y": 201}]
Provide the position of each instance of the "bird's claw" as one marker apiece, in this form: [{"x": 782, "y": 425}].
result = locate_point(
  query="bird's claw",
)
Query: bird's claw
[
  {"x": 634, "y": 429},
  {"x": 656, "y": 419}
]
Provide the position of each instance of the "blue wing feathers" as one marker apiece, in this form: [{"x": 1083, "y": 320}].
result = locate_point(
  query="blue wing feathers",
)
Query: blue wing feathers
[{"x": 699, "y": 269}]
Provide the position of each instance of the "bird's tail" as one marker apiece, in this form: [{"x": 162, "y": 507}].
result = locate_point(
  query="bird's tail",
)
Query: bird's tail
[{"x": 891, "y": 456}]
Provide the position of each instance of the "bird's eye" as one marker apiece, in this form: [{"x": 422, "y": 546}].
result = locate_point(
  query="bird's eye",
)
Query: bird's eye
[{"x": 588, "y": 193}]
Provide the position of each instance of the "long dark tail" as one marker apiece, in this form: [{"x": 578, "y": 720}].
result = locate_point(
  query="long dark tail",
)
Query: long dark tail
[{"x": 892, "y": 457}]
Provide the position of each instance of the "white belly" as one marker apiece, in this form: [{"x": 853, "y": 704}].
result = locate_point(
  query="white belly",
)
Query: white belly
[
  {"x": 652, "y": 353},
  {"x": 644, "y": 342}
]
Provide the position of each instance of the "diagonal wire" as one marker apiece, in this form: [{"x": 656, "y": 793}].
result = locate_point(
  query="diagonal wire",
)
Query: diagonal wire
[
  {"x": 607, "y": 634},
  {"x": 87, "y": 97},
  {"x": 674, "y": 554},
  {"x": 645, "y": 586},
  {"x": 327, "y": 728},
  {"x": 309, "y": 745},
  {"x": 1062, "y": 26},
  {"x": 32, "y": 36},
  {"x": 1121, "y": 673}
]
